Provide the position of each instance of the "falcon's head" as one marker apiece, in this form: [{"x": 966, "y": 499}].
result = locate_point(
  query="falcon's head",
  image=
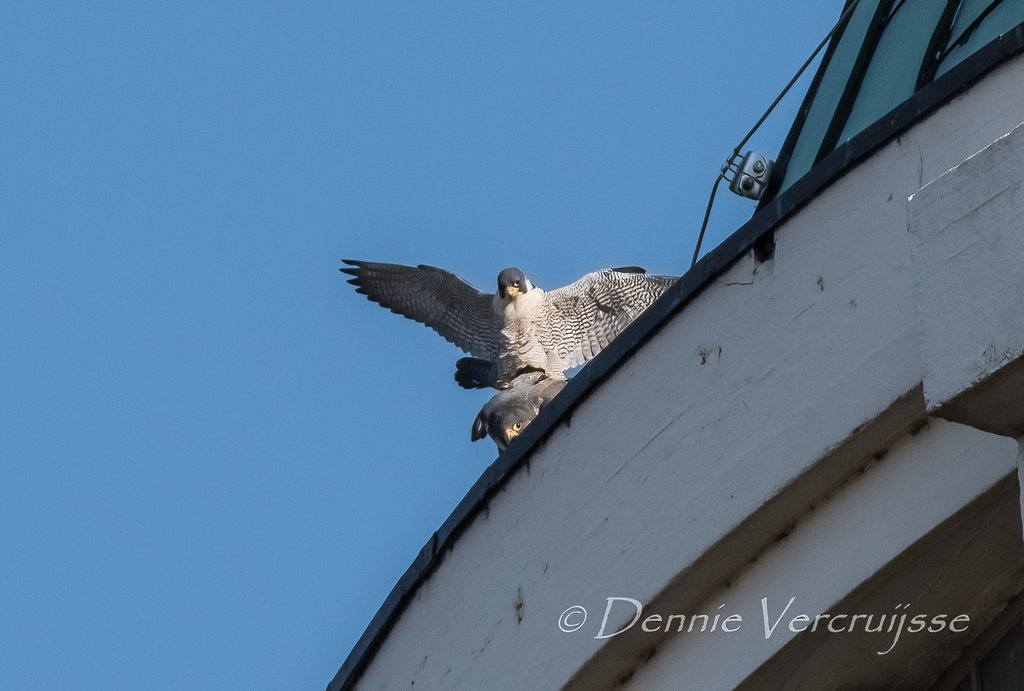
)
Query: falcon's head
[
  {"x": 506, "y": 422},
  {"x": 512, "y": 282}
]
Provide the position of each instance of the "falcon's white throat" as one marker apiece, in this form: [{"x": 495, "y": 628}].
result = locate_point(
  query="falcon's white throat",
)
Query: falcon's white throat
[
  {"x": 512, "y": 291},
  {"x": 520, "y": 305}
]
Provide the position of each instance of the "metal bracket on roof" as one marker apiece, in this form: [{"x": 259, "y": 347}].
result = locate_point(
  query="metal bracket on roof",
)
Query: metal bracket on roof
[{"x": 749, "y": 176}]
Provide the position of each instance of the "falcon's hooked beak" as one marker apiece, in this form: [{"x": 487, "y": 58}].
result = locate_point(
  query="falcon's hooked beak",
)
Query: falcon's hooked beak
[{"x": 513, "y": 432}]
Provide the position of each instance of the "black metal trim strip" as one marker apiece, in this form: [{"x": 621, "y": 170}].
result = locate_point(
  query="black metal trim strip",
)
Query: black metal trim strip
[
  {"x": 930, "y": 61},
  {"x": 969, "y": 30},
  {"x": 786, "y": 152},
  {"x": 895, "y": 8},
  {"x": 844, "y": 107},
  {"x": 711, "y": 265}
]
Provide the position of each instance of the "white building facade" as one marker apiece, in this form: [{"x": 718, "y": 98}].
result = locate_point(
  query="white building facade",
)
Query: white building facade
[{"x": 801, "y": 468}]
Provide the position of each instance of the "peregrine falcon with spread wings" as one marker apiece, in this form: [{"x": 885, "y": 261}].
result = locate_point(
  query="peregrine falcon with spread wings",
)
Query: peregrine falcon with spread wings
[{"x": 521, "y": 328}]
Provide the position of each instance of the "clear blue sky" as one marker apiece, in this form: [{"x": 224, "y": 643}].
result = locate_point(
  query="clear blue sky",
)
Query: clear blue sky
[{"x": 215, "y": 458}]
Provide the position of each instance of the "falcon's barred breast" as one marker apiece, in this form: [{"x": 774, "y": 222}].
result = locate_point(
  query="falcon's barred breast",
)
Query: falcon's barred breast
[{"x": 521, "y": 328}]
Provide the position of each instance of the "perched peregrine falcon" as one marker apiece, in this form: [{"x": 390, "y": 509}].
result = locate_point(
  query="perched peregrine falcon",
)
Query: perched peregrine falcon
[
  {"x": 521, "y": 328},
  {"x": 508, "y": 412}
]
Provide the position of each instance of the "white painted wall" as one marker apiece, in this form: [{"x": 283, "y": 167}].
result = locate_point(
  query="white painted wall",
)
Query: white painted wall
[
  {"x": 680, "y": 469},
  {"x": 878, "y": 515},
  {"x": 967, "y": 230}
]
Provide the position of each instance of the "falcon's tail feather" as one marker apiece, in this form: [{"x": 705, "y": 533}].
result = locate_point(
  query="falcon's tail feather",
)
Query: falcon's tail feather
[{"x": 479, "y": 427}]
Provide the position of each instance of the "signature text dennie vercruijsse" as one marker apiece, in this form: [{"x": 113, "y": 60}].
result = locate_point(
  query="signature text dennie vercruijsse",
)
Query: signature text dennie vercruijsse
[{"x": 893, "y": 624}]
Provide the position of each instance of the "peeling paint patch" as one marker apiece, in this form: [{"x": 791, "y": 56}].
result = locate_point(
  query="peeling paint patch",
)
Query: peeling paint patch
[{"x": 705, "y": 352}]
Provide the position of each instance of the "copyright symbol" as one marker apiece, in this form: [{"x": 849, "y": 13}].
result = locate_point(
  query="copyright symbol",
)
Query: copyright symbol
[{"x": 572, "y": 619}]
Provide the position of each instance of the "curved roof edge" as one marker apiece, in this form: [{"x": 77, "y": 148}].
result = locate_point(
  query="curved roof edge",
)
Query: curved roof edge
[{"x": 757, "y": 232}]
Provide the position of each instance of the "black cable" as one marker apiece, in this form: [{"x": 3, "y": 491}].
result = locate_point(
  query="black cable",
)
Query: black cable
[
  {"x": 707, "y": 214},
  {"x": 736, "y": 151}
]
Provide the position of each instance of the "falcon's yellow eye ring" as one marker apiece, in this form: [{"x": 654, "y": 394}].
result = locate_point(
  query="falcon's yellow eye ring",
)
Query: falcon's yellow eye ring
[{"x": 518, "y": 426}]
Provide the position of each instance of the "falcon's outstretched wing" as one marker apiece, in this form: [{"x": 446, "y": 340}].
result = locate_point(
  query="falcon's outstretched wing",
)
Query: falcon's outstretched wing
[
  {"x": 583, "y": 317},
  {"x": 434, "y": 297}
]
